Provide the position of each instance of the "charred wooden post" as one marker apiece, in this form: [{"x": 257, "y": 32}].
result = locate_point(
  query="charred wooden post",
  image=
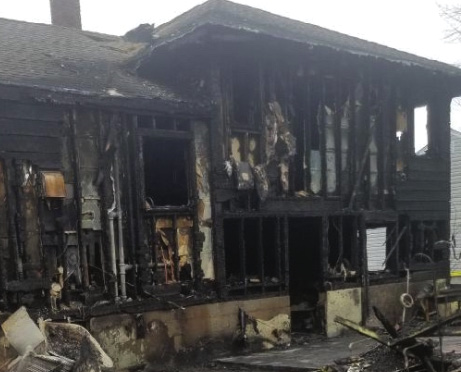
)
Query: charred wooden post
[
  {"x": 144, "y": 255},
  {"x": 286, "y": 245},
  {"x": 279, "y": 249},
  {"x": 364, "y": 267},
  {"x": 261, "y": 254},
  {"x": 322, "y": 134},
  {"x": 338, "y": 104},
  {"x": 73, "y": 118},
  {"x": 325, "y": 245},
  {"x": 130, "y": 176},
  {"x": 12, "y": 219},
  {"x": 242, "y": 254}
]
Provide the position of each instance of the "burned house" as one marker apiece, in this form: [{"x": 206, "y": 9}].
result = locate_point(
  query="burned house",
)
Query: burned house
[{"x": 229, "y": 158}]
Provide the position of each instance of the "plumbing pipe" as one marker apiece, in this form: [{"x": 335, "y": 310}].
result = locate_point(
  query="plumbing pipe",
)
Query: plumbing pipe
[
  {"x": 121, "y": 247},
  {"x": 113, "y": 256}
]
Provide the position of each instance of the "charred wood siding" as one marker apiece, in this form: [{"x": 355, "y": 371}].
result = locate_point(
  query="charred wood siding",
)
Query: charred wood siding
[
  {"x": 31, "y": 140},
  {"x": 423, "y": 191},
  {"x": 31, "y": 132}
]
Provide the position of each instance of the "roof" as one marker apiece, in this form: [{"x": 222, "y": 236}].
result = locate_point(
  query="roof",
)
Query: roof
[
  {"x": 245, "y": 18},
  {"x": 67, "y": 60}
]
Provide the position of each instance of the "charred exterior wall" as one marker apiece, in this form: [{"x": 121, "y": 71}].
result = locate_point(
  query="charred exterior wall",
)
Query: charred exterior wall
[
  {"x": 309, "y": 149},
  {"x": 93, "y": 208}
]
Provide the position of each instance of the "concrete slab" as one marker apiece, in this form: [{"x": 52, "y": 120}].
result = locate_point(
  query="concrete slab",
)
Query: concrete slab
[{"x": 311, "y": 356}]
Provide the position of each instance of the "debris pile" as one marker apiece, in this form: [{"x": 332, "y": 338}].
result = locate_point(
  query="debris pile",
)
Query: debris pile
[
  {"x": 410, "y": 352},
  {"x": 49, "y": 346}
]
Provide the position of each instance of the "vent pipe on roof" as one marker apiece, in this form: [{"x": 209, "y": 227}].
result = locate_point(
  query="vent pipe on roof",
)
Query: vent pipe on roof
[{"x": 66, "y": 13}]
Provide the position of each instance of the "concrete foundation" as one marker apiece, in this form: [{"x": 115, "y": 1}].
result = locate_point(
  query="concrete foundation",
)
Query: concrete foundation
[
  {"x": 346, "y": 303},
  {"x": 132, "y": 340}
]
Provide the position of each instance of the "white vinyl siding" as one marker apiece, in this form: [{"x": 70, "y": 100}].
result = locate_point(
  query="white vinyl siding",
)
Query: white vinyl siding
[
  {"x": 376, "y": 248},
  {"x": 456, "y": 196}
]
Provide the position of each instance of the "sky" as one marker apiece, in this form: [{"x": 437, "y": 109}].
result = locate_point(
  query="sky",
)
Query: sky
[{"x": 414, "y": 26}]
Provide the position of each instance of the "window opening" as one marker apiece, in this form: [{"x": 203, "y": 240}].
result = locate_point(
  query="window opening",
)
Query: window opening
[
  {"x": 165, "y": 171},
  {"x": 245, "y": 86},
  {"x": 421, "y": 135}
]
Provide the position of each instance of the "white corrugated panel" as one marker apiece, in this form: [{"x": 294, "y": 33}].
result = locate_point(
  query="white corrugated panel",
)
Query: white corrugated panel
[
  {"x": 376, "y": 248},
  {"x": 456, "y": 197}
]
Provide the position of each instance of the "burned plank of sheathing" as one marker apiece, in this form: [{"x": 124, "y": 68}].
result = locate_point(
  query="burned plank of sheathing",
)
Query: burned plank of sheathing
[
  {"x": 316, "y": 171},
  {"x": 261, "y": 181},
  {"x": 244, "y": 176},
  {"x": 285, "y": 175},
  {"x": 330, "y": 148},
  {"x": 280, "y": 142}
]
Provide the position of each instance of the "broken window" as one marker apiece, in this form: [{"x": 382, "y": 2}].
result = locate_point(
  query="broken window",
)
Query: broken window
[{"x": 166, "y": 171}]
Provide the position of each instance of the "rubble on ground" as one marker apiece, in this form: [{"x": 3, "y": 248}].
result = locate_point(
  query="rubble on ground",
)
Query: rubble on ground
[
  {"x": 403, "y": 350},
  {"x": 49, "y": 346}
]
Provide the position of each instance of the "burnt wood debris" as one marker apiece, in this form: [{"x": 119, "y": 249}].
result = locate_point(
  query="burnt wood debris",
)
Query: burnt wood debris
[{"x": 227, "y": 155}]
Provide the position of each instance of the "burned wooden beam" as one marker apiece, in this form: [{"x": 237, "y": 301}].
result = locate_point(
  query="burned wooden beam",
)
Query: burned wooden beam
[
  {"x": 362, "y": 330},
  {"x": 409, "y": 345},
  {"x": 386, "y": 324}
]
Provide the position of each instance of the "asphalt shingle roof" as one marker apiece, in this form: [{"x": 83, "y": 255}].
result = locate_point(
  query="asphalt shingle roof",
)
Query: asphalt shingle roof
[
  {"x": 245, "y": 18},
  {"x": 73, "y": 61}
]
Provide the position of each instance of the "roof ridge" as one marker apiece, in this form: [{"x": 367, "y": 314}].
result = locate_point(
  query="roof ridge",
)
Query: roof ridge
[{"x": 244, "y": 17}]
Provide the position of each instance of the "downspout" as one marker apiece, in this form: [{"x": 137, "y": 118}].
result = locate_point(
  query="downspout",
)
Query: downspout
[{"x": 121, "y": 247}]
